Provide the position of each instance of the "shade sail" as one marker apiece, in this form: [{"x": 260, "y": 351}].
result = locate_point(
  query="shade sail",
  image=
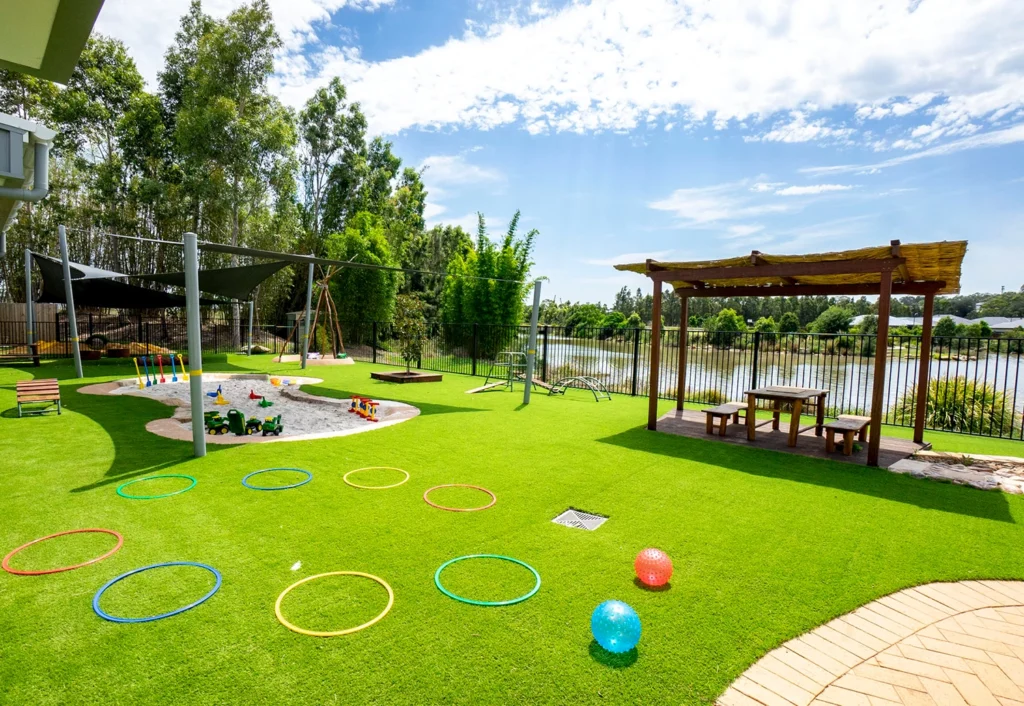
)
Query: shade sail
[
  {"x": 229, "y": 282},
  {"x": 92, "y": 286}
]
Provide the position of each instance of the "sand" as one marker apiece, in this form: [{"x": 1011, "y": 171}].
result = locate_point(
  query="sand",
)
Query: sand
[{"x": 304, "y": 416}]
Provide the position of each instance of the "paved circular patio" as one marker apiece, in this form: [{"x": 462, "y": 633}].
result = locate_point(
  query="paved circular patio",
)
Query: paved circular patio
[{"x": 941, "y": 643}]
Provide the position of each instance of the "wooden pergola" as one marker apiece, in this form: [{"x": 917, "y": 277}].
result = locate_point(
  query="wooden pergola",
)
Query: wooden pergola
[{"x": 919, "y": 269}]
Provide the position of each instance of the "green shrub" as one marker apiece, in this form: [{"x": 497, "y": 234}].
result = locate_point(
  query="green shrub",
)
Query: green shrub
[
  {"x": 789, "y": 322},
  {"x": 767, "y": 328},
  {"x": 725, "y": 329},
  {"x": 712, "y": 396},
  {"x": 961, "y": 405},
  {"x": 835, "y": 319}
]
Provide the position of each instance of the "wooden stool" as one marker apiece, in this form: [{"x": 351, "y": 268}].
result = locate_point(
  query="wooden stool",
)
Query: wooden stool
[
  {"x": 723, "y": 413},
  {"x": 849, "y": 427}
]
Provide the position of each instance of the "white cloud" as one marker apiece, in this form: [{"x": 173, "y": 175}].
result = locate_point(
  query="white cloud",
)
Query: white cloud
[
  {"x": 743, "y": 230},
  {"x": 628, "y": 257},
  {"x": 148, "y": 28},
  {"x": 710, "y": 204},
  {"x": 613, "y": 64},
  {"x": 455, "y": 169},
  {"x": 996, "y": 138},
  {"x": 799, "y": 129},
  {"x": 763, "y": 186},
  {"x": 432, "y": 210},
  {"x": 811, "y": 190}
]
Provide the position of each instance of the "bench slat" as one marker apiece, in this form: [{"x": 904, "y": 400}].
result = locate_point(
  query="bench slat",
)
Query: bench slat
[
  {"x": 38, "y": 398},
  {"x": 725, "y": 409},
  {"x": 846, "y": 425}
]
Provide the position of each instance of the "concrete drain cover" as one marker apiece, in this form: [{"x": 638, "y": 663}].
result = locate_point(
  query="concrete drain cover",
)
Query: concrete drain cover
[{"x": 580, "y": 520}]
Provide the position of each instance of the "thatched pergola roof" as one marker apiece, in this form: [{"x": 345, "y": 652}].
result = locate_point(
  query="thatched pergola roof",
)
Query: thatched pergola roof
[{"x": 918, "y": 268}]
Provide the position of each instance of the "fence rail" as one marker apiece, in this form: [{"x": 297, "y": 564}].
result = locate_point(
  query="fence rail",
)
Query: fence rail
[{"x": 973, "y": 390}]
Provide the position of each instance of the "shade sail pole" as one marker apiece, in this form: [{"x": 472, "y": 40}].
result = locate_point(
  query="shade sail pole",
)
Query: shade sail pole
[
  {"x": 531, "y": 348},
  {"x": 684, "y": 323},
  {"x": 306, "y": 322},
  {"x": 652, "y": 395},
  {"x": 29, "y": 313},
  {"x": 195, "y": 344},
  {"x": 881, "y": 359},
  {"x": 248, "y": 347},
  {"x": 70, "y": 299},
  {"x": 924, "y": 365}
]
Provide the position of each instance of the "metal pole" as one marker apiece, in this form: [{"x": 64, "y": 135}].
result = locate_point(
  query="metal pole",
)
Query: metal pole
[
  {"x": 924, "y": 365},
  {"x": 195, "y": 344},
  {"x": 248, "y": 350},
  {"x": 29, "y": 313},
  {"x": 306, "y": 322},
  {"x": 531, "y": 350},
  {"x": 72, "y": 324}
]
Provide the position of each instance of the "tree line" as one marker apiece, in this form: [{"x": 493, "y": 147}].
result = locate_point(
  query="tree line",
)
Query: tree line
[
  {"x": 821, "y": 314},
  {"x": 212, "y": 151}
]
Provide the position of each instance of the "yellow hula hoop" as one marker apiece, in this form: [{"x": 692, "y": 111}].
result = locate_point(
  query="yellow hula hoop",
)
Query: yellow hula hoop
[
  {"x": 375, "y": 487},
  {"x": 336, "y": 633}
]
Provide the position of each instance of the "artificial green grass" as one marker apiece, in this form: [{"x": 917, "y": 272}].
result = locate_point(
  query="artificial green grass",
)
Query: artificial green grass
[{"x": 766, "y": 546}]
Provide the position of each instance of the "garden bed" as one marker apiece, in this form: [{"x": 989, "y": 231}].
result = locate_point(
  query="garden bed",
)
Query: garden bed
[{"x": 402, "y": 376}]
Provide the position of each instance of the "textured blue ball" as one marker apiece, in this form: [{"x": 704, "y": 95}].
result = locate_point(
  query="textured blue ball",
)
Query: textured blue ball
[{"x": 616, "y": 626}]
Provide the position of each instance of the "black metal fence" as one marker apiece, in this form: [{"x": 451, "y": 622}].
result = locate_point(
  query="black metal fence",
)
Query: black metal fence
[{"x": 973, "y": 390}]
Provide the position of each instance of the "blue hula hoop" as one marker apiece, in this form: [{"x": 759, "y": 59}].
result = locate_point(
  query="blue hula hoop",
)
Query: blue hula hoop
[
  {"x": 309, "y": 477},
  {"x": 114, "y": 619}
]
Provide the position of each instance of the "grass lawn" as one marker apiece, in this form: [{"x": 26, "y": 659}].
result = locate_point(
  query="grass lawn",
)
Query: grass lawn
[{"x": 766, "y": 546}]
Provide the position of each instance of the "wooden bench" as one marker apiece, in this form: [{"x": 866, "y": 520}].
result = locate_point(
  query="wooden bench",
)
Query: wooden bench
[
  {"x": 863, "y": 436},
  {"x": 33, "y": 392},
  {"x": 723, "y": 413},
  {"x": 849, "y": 426}
]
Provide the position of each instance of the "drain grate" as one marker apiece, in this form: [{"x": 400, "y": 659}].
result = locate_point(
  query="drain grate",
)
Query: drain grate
[{"x": 580, "y": 520}]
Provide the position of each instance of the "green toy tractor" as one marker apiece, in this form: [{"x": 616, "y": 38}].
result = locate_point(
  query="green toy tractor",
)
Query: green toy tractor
[
  {"x": 215, "y": 424},
  {"x": 273, "y": 425},
  {"x": 242, "y": 426}
]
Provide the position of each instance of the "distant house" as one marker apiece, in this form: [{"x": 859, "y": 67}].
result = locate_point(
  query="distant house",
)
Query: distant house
[
  {"x": 998, "y": 324},
  {"x": 908, "y": 321}
]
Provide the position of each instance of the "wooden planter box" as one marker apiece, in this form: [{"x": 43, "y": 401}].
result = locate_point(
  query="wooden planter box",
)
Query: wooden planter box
[
  {"x": 118, "y": 352},
  {"x": 91, "y": 355},
  {"x": 402, "y": 376}
]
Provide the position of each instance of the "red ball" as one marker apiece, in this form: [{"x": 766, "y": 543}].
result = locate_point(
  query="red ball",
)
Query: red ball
[{"x": 653, "y": 567}]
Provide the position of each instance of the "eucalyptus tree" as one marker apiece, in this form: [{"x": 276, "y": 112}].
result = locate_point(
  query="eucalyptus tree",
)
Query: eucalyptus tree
[{"x": 228, "y": 123}]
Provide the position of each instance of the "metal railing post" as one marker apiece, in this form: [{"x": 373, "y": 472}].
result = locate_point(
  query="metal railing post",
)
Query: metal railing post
[
  {"x": 636, "y": 360},
  {"x": 476, "y": 331},
  {"x": 757, "y": 352},
  {"x": 544, "y": 360},
  {"x": 373, "y": 342}
]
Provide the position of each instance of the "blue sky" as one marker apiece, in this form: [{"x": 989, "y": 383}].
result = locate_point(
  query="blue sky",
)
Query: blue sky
[{"x": 626, "y": 129}]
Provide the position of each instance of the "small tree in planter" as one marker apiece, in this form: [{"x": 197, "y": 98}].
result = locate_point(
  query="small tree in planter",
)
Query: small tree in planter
[{"x": 410, "y": 328}]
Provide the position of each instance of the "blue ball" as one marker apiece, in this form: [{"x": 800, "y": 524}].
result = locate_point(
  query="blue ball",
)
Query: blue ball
[{"x": 616, "y": 626}]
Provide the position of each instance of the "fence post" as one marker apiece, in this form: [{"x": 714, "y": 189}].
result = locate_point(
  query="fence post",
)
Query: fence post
[
  {"x": 140, "y": 328},
  {"x": 216, "y": 338},
  {"x": 544, "y": 360},
  {"x": 90, "y": 325},
  {"x": 476, "y": 329},
  {"x": 146, "y": 339},
  {"x": 374, "y": 342},
  {"x": 757, "y": 351},
  {"x": 636, "y": 359}
]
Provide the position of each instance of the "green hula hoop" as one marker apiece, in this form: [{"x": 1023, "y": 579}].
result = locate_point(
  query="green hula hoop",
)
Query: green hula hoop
[
  {"x": 120, "y": 488},
  {"x": 520, "y": 599}
]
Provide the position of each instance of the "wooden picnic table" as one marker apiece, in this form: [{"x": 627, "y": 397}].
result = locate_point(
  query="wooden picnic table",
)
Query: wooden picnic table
[{"x": 796, "y": 396}]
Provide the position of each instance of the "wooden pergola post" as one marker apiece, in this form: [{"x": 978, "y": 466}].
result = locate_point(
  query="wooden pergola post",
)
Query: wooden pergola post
[
  {"x": 652, "y": 400},
  {"x": 924, "y": 365},
  {"x": 881, "y": 346},
  {"x": 684, "y": 321}
]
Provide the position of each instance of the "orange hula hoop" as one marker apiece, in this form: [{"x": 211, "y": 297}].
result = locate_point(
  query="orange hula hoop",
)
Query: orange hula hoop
[{"x": 6, "y": 562}]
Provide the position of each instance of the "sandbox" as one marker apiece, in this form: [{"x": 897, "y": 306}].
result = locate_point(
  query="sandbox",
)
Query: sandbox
[{"x": 304, "y": 416}]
